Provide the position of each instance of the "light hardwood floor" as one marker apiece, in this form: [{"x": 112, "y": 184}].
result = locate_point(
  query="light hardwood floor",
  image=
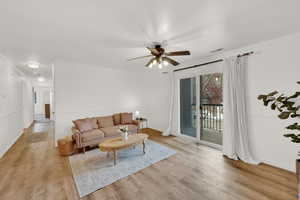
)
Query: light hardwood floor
[{"x": 32, "y": 169}]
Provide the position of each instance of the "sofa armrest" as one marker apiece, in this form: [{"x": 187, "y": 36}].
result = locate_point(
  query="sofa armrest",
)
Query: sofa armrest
[
  {"x": 75, "y": 130},
  {"x": 77, "y": 137},
  {"x": 136, "y": 122}
]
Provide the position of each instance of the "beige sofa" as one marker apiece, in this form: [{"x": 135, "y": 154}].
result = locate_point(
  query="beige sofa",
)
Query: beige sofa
[{"x": 92, "y": 131}]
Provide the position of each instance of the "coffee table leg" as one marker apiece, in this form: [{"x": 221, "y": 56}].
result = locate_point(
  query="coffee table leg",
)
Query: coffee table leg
[
  {"x": 144, "y": 147},
  {"x": 115, "y": 157}
]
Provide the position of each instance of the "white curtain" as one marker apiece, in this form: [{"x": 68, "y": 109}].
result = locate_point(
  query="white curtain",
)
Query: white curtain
[
  {"x": 236, "y": 135},
  {"x": 172, "y": 98}
]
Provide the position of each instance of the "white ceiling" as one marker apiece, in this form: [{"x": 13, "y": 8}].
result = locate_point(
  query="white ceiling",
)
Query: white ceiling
[{"x": 106, "y": 33}]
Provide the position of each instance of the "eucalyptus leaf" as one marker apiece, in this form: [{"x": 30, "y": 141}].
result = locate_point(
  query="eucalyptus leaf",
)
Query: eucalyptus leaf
[
  {"x": 260, "y": 97},
  {"x": 273, "y": 106},
  {"x": 272, "y": 93},
  {"x": 297, "y": 94},
  {"x": 294, "y": 138},
  {"x": 280, "y": 98},
  {"x": 294, "y": 126},
  {"x": 284, "y": 115}
]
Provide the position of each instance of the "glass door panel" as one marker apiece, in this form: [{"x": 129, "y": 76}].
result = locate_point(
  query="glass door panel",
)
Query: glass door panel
[
  {"x": 211, "y": 108},
  {"x": 188, "y": 112}
]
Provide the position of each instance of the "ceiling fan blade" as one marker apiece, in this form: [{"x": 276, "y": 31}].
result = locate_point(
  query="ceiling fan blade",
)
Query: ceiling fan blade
[
  {"x": 153, "y": 51},
  {"x": 147, "y": 65},
  {"x": 139, "y": 57},
  {"x": 171, "y": 61},
  {"x": 178, "y": 53}
]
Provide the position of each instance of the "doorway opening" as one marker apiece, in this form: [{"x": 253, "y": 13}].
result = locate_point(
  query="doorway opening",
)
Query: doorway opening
[{"x": 42, "y": 103}]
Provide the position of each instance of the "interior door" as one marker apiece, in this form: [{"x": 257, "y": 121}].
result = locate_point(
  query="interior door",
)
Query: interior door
[
  {"x": 47, "y": 111},
  {"x": 188, "y": 107}
]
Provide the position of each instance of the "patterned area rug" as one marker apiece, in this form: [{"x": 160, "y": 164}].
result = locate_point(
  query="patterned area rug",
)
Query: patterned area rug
[{"x": 94, "y": 170}]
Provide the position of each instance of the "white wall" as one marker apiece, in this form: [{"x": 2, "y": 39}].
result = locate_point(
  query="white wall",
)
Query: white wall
[
  {"x": 28, "y": 105},
  {"x": 87, "y": 91},
  {"x": 275, "y": 66},
  {"x": 16, "y": 108}
]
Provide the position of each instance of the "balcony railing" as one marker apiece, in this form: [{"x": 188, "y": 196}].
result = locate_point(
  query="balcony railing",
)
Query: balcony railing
[{"x": 212, "y": 116}]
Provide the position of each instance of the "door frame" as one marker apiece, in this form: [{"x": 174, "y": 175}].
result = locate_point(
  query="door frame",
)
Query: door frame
[{"x": 196, "y": 73}]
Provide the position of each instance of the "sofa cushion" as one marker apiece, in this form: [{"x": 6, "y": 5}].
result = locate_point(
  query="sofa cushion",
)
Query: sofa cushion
[
  {"x": 105, "y": 121},
  {"x": 92, "y": 135},
  {"x": 126, "y": 118},
  {"x": 94, "y": 123},
  {"x": 84, "y": 124},
  {"x": 117, "y": 119},
  {"x": 111, "y": 131}
]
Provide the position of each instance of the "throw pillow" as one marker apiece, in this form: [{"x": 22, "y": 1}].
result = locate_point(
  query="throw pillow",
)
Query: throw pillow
[
  {"x": 105, "y": 121},
  {"x": 94, "y": 123},
  {"x": 83, "y": 124},
  {"x": 126, "y": 118},
  {"x": 117, "y": 119}
]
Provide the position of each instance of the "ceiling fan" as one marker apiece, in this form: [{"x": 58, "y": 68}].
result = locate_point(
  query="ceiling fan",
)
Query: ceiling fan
[{"x": 160, "y": 56}]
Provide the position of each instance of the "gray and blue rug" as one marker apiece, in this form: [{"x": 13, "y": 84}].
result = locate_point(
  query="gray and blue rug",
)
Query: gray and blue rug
[{"x": 94, "y": 170}]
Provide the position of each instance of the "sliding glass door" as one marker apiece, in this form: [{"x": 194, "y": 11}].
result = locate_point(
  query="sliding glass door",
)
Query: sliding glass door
[
  {"x": 188, "y": 112},
  {"x": 201, "y": 107},
  {"x": 211, "y": 108}
]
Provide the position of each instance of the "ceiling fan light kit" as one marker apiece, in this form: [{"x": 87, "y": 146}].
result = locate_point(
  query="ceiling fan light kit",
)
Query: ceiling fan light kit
[{"x": 160, "y": 57}]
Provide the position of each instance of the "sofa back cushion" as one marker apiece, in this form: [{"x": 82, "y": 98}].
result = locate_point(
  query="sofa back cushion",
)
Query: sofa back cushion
[
  {"x": 84, "y": 124},
  {"x": 105, "y": 121},
  {"x": 126, "y": 118},
  {"x": 117, "y": 119},
  {"x": 94, "y": 123}
]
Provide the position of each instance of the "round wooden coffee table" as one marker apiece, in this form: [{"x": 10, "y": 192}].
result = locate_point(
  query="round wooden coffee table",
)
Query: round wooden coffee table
[{"x": 115, "y": 144}]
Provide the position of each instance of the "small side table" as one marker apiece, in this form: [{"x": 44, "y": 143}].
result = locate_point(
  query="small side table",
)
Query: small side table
[
  {"x": 143, "y": 122},
  {"x": 66, "y": 146}
]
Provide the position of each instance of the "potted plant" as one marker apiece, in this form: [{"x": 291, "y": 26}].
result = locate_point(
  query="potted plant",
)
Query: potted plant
[
  {"x": 124, "y": 131},
  {"x": 288, "y": 109}
]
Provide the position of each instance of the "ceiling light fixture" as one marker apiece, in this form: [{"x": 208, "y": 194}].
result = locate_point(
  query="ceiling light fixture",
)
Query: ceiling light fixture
[
  {"x": 33, "y": 65},
  {"x": 160, "y": 66},
  {"x": 41, "y": 79},
  {"x": 158, "y": 55},
  {"x": 165, "y": 63}
]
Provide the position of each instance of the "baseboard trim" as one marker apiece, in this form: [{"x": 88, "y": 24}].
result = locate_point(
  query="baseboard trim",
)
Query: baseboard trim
[
  {"x": 11, "y": 145},
  {"x": 151, "y": 129},
  {"x": 26, "y": 129},
  {"x": 273, "y": 166},
  {"x": 15, "y": 140}
]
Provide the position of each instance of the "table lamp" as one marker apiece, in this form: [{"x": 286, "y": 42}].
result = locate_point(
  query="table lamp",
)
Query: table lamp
[{"x": 137, "y": 114}]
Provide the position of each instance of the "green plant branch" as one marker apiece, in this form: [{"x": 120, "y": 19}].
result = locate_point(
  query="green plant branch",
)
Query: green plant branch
[{"x": 286, "y": 109}]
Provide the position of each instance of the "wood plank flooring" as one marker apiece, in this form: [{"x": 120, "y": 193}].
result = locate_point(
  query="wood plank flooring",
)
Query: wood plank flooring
[{"x": 32, "y": 169}]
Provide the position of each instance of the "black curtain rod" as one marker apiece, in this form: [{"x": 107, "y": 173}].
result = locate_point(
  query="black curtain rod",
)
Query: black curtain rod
[{"x": 211, "y": 62}]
